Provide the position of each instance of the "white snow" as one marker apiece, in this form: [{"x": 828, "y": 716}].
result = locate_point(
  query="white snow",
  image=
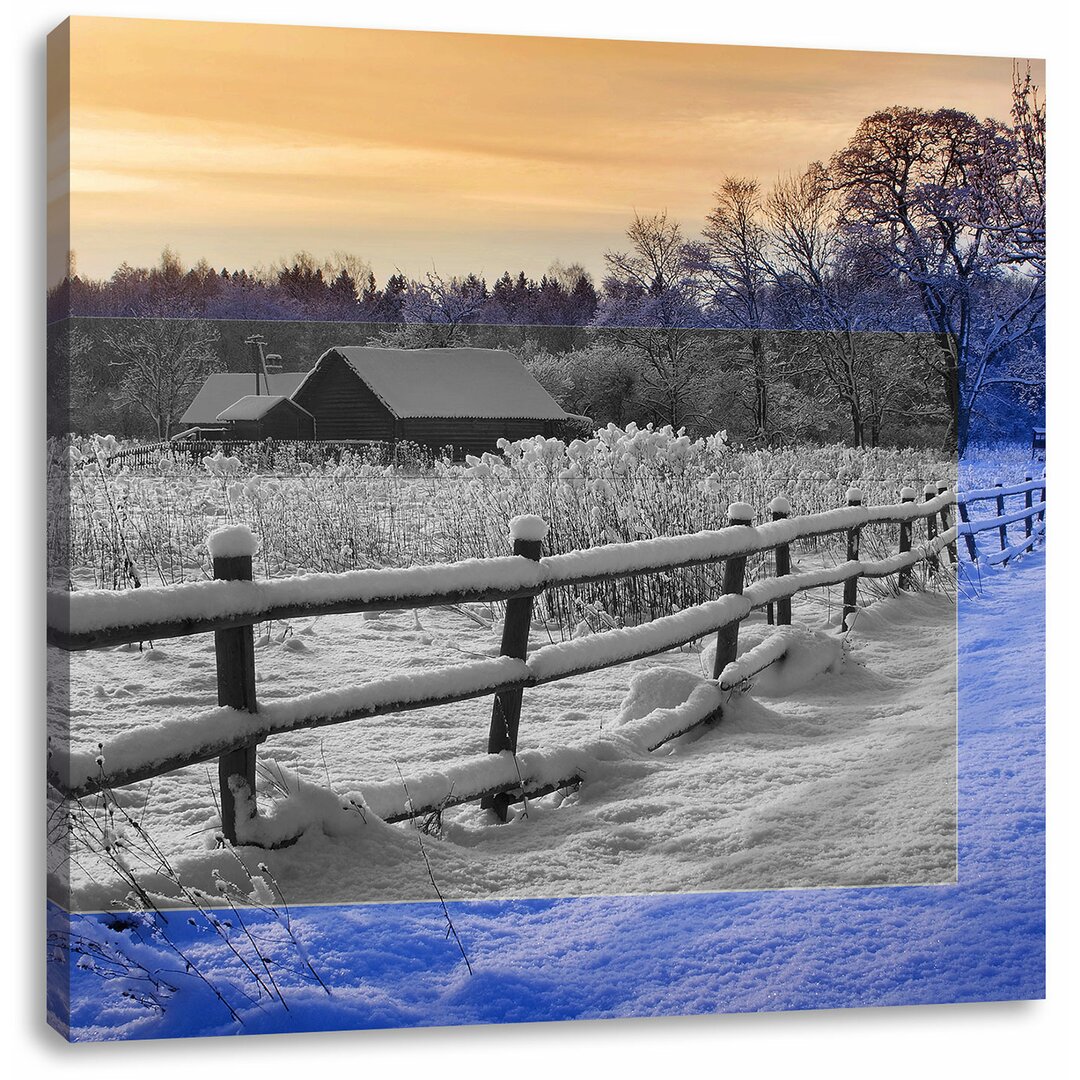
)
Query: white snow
[
  {"x": 464, "y": 382},
  {"x": 780, "y": 505},
  {"x": 95, "y": 610},
  {"x": 528, "y": 527},
  {"x": 231, "y": 541},
  {"x": 845, "y": 777},
  {"x": 968, "y": 528},
  {"x": 140, "y": 749},
  {"x": 978, "y": 494},
  {"x": 597, "y": 650},
  {"x": 853, "y": 496},
  {"x": 779, "y": 660},
  {"x": 740, "y": 512},
  {"x": 1037, "y": 530},
  {"x": 99, "y": 609}
]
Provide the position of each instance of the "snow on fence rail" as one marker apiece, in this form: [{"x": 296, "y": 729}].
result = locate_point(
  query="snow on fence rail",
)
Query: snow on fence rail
[
  {"x": 1031, "y": 510},
  {"x": 232, "y": 603}
]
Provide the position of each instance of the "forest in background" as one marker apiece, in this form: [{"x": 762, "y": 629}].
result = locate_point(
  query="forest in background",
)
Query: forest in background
[{"x": 894, "y": 294}]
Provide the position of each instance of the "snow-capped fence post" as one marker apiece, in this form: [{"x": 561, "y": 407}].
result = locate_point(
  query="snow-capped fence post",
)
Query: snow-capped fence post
[
  {"x": 944, "y": 514},
  {"x": 1003, "y": 530},
  {"x": 929, "y": 494},
  {"x": 1042, "y": 499},
  {"x": 1027, "y": 506},
  {"x": 527, "y": 534},
  {"x": 231, "y": 549},
  {"x": 851, "y": 585},
  {"x": 907, "y": 495},
  {"x": 781, "y": 509},
  {"x": 727, "y": 637}
]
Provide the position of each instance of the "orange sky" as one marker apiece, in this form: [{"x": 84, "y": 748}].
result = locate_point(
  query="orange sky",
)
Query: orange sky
[{"x": 243, "y": 143}]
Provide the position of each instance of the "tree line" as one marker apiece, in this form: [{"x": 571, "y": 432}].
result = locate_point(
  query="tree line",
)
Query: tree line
[{"x": 898, "y": 287}]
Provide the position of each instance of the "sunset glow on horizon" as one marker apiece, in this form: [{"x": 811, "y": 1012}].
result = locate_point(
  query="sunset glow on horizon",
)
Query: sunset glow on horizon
[{"x": 245, "y": 143}]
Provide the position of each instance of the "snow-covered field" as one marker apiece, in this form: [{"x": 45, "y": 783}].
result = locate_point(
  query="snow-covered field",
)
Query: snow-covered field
[
  {"x": 813, "y": 778},
  {"x": 832, "y": 777},
  {"x": 978, "y": 939}
]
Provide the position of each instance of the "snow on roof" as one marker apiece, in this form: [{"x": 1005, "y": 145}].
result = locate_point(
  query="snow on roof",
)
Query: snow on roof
[
  {"x": 253, "y": 407},
  {"x": 222, "y": 389},
  {"x": 450, "y": 382}
]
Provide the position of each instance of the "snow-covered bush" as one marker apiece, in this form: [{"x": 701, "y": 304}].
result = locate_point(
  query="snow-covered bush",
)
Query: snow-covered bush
[{"x": 621, "y": 484}]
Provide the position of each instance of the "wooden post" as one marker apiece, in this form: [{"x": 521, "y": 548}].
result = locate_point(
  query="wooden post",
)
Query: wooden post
[
  {"x": 781, "y": 509},
  {"x": 727, "y": 637},
  {"x": 1042, "y": 513},
  {"x": 235, "y": 653},
  {"x": 851, "y": 586},
  {"x": 945, "y": 523},
  {"x": 973, "y": 551},
  {"x": 1003, "y": 530},
  {"x": 527, "y": 535},
  {"x": 929, "y": 494},
  {"x": 1027, "y": 506},
  {"x": 907, "y": 495}
]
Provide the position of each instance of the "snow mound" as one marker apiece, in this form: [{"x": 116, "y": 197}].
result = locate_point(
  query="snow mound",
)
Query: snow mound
[
  {"x": 528, "y": 527},
  {"x": 740, "y": 511},
  {"x": 230, "y": 541},
  {"x": 808, "y": 655},
  {"x": 780, "y": 505},
  {"x": 657, "y": 688}
]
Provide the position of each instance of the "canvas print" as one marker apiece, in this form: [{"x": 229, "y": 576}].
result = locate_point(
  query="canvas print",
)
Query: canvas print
[{"x": 538, "y": 529}]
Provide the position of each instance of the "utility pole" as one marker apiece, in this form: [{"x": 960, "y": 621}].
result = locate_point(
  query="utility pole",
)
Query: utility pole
[{"x": 259, "y": 360}]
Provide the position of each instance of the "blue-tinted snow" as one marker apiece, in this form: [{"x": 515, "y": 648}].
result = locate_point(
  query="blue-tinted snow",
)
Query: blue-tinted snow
[{"x": 982, "y": 939}]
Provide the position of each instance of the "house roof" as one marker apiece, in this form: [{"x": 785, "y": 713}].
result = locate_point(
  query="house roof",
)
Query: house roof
[
  {"x": 466, "y": 383},
  {"x": 256, "y": 406},
  {"x": 222, "y": 389}
]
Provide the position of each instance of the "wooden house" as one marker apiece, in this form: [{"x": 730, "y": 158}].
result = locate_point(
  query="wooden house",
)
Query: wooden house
[
  {"x": 267, "y": 416},
  {"x": 223, "y": 388},
  {"x": 465, "y": 398}
]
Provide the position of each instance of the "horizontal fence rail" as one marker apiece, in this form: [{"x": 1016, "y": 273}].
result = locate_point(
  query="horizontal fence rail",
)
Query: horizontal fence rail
[
  {"x": 95, "y": 618},
  {"x": 229, "y": 606},
  {"x": 1032, "y": 514}
]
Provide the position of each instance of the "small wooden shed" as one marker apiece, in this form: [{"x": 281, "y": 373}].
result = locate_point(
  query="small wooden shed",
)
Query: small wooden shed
[
  {"x": 267, "y": 416},
  {"x": 225, "y": 387},
  {"x": 464, "y": 398}
]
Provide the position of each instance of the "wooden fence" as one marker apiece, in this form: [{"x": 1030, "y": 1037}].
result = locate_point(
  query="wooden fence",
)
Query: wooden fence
[
  {"x": 1032, "y": 514},
  {"x": 233, "y": 603}
]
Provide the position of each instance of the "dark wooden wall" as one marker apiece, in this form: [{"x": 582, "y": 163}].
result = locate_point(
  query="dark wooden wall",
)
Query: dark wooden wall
[
  {"x": 470, "y": 436},
  {"x": 343, "y": 406},
  {"x": 282, "y": 422}
]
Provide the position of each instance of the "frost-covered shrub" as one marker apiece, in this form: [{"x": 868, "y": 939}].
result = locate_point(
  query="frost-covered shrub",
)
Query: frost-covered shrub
[{"x": 356, "y": 510}]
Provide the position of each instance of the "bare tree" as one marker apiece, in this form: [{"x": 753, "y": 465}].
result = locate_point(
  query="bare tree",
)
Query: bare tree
[
  {"x": 650, "y": 305},
  {"x": 435, "y": 310},
  {"x": 736, "y": 266},
  {"x": 928, "y": 195},
  {"x": 164, "y": 361}
]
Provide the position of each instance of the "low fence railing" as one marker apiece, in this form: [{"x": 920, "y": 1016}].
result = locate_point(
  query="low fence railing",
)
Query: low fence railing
[
  {"x": 1032, "y": 514},
  {"x": 231, "y": 604}
]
